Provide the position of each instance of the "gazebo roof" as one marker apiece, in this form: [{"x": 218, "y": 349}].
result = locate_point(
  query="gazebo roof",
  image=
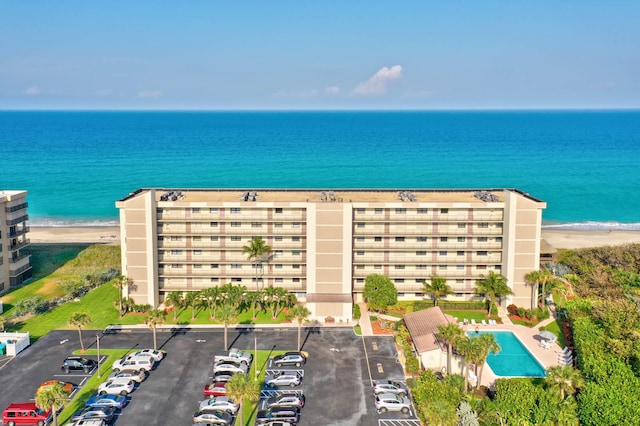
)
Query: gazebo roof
[{"x": 423, "y": 327}]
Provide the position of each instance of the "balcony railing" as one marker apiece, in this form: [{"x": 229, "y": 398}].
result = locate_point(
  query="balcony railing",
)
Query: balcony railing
[
  {"x": 16, "y": 208},
  {"x": 23, "y": 218},
  {"x": 19, "y": 232},
  {"x": 19, "y": 244},
  {"x": 16, "y": 259},
  {"x": 20, "y": 270}
]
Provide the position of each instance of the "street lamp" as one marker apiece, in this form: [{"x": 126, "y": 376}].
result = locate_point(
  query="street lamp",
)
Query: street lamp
[{"x": 98, "y": 346}]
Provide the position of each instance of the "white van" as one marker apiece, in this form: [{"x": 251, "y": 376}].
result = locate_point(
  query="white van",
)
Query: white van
[{"x": 134, "y": 362}]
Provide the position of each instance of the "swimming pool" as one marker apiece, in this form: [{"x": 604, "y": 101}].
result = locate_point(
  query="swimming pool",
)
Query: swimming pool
[{"x": 514, "y": 359}]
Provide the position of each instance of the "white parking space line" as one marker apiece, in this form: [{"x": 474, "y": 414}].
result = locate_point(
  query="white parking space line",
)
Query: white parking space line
[{"x": 399, "y": 422}]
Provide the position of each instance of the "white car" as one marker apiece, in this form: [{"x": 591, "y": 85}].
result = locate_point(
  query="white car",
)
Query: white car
[
  {"x": 230, "y": 368},
  {"x": 219, "y": 403},
  {"x": 155, "y": 354},
  {"x": 116, "y": 386},
  {"x": 392, "y": 402},
  {"x": 390, "y": 386},
  {"x": 234, "y": 355},
  {"x": 142, "y": 363},
  {"x": 135, "y": 375}
]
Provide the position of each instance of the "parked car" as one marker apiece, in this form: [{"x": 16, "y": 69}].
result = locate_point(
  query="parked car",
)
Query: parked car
[
  {"x": 283, "y": 401},
  {"x": 234, "y": 354},
  {"x": 107, "y": 400},
  {"x": 137, "y": 376},
  {"x": 290, "y": 358},
  {"x": 142, "y": 363},
  {"x": 392, "y": 402},
  {"x": 277, "y": 423},
  {"x": 279, "y": 379},
  {"x": 116, "y": 386},
  {"x": 222, "y": 403},
  {"x": 212, "y": 417},
  {"x": 25, "y": 413},
  {"x": 153, "y": 353},
  {"x": 284, "y": 414},
  {"x": 66, "y": 386},
  {"x": 215, "y": 389},
  {"x": 390, "y": 386},
  {"x": 221, "y": 376},
  {"x": 104, "y": 413},
  {"x": 78, "y": 363},
  {"x": 230, "y": 368},
  {"x": 88, "y": 422}
]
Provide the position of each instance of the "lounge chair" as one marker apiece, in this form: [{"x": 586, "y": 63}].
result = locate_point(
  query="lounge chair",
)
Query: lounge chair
[
  {"x": 473, "y": 379},
  {"x": 564, "y": 351},
  {"x": 484, "y": 322},
  {"x": 473, "y": 322},
  {"x": 545, "y": 344}
]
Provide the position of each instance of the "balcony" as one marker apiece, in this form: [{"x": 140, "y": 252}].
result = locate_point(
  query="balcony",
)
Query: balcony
[
  {"x": 19, "y": 232},
  {"x": 19, "y": 244},
  {"x": 16, "y": 272},
  {"x": 17, "y": 220},
  {"x": 17, "y": 207},
  {"x": 18, "y": 258}
]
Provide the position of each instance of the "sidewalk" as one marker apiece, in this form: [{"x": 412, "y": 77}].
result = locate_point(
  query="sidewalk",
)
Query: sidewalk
[{"x": 365, "y": 322}]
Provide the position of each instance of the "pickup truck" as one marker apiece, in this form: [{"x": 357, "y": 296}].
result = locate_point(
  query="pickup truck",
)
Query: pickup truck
[{"x": 235, "y": 356}]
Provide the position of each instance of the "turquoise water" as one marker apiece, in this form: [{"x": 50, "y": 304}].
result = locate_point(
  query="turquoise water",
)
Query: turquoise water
[
  {"x": 514, "y": 359},
  {"x": 75, "y": 165}
]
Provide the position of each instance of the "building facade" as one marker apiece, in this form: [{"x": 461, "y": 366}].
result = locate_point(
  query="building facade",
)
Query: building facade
[
  {"x": 325, "y": 243},
  {"x": 15, "y": 265}
]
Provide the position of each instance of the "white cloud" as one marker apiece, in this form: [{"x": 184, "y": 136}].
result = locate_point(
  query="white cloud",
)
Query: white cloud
[
  {"x": 377, "y": 83},
  {"x": 332, "y": 90},
  {"x": 149, "y": 93},
  {"x": 32, "y": 91}
]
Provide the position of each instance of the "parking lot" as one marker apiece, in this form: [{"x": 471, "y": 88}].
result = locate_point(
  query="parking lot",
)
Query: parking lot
[{"x": 336, "y": 383}]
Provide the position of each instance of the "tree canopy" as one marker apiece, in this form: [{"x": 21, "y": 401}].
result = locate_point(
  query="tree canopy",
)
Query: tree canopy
[{"x": 379, "y": 292}]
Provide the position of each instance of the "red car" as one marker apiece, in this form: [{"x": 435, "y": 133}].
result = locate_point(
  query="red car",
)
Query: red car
[{"x": 215, "y": 389}]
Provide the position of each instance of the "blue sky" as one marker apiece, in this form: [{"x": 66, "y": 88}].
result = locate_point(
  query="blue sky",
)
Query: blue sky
[{"x": 319, "y": 55}]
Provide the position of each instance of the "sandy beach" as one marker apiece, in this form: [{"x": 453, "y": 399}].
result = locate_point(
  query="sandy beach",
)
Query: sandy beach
[{"x": 111, "y": 235}]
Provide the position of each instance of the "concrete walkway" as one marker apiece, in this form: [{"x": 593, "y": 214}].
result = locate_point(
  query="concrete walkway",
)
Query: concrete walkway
[{"x": 365, "y": 321}]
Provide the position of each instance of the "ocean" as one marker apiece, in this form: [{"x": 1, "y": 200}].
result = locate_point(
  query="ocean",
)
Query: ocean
[{"x": 75, "y": 165}]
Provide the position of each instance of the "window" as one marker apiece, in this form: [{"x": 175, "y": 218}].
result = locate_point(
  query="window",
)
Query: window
[
  {"x": 213, "y": 224},
  {"x": 419, "y": 294},
  {"x": 421, "y": 253},
  {"x": 236, "y": 280},
  {"x": 197, "y": 266},
  {"x": 277, "y": 225},
  {"x": 196, "y": 238},
  {"x": 498, "y": 239},
  {"x": 214, "y": 238},
  {"x": 399, "y": 239},
  {"x": 278, "y": 265},
  {"x": 444, "y": 239},
  {"x": 176, "y": 252},
  {"x": 256, "y": 224},
  {"x": 236, "y": 266},
  {"x": 235, "y": 210},
  {"x": 197, "y": 252},
  {"x": 174, "y": 238},
  {"x": 236, "y": 238},
  {"x": 279, "y": 280},
  {"x": 295, "y": 239},
  {"x": 401, "y": 211},
  {"x": 195, "y": 210},
  {"x": 278, "y": 238},
  {"x": 214, "y": 280},
  {"x": 295, "y": 225},
  {"x": 214, "y": 266},
  {"x": 360, "y": 224},
  {"x": 360, "y": 253},
  {"x": 481, "y": 267},
  {"x": 399, "y": 281},
  {"x": 176, "y": 266},
  {"x": 295, "y": 266},
  {"x": 499, "y": 225},
  {"x": 462, "y": 239},
  {"x": 420, "y": 267},
  {"x": 359, "y": 266},
  {"x": 235, "y": 224},
  {"x": 360, "y": 210},
  {"x": 278, "y": 253},
  {"x": 360, "y": 239},
  {"x": 377, "y": 266},
  {"x": 359, "y": 280},
  {"x": 295, "y": 280},
  {"x": 460, "y": 267},
  {"x": 378, "y": 211},
  {"x": 482, "y": 253},
  {"x": 483, "y": 225},
  {"x": 213, "y": 210},
  {"x": 160, "y": 238},
  {"x": 399, "y": 266},
  {"x": 442, "y": 267},
  {"x": 423, "y": 211},
  {"x": 295, "y": 252},
  {"x": 460, "y": 253},
  {"x": 462, "y": 225},
  {"x": 442, "y": 253},
  {"x": 278, "y": 210},
  {"x": 421, "y": 239},
  {"x": 482, "y": 239},
  {"x": 444, "y": 211},
  {"x": 377, "y": 239}
]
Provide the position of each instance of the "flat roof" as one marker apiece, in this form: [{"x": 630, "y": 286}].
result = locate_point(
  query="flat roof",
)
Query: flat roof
[{"x": 347, "y": 195}]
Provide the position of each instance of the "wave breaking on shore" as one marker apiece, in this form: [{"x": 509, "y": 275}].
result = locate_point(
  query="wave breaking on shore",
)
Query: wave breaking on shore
[{"x": 591, "y": 226}]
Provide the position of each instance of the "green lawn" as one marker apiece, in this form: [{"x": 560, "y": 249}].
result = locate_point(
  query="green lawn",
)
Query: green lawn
[
  {"x": 470, "y": 315},
  {"x": 554, "y": 327}
]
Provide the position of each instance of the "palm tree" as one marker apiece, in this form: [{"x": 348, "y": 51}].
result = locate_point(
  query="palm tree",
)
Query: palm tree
[
  {"x": 121, "y": 284},
  {"x": 174, "y": 299},
  {"x": 469, "y": 348},
  {"x": 233, "y": 295},
  {"x": 450, "y": 334},
  {"x": 79, "y": 320},
  {"x": 487, "y": 344},
  {"x": 255, "y": 250},
  {"x": 212, "y": 297},
  {"x": 438, "y": 289},
  {"x": 52, "y": 399},
  {"x": 493, "y": 287},
  {"x": 564, "y": 379},
  {"x": 228, "y": 315},
  {"x": 192, "y": 299},
  {"x": 155, "y": 318},
  {"x": 251, "y": 299},
  {"x": 542, "y": 279},
  {"x": 300, "y": 313},
  {"x": 242, "y": 387}
]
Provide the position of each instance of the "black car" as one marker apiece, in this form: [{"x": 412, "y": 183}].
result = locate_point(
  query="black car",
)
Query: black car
[
  {"x": 284, "y": 414},
  {"x": 290, "y": 358},
  {"x": 78, "y": 363}
]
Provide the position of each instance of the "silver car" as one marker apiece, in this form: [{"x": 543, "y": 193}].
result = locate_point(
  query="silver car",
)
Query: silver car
[
  {"x": 390, "y": 386},
  {"x": 219, "y": 403},
  {"x": 230, "y": 368},
  {"x": 392, "y": 402},
  {"x": 279, "y": 379}
]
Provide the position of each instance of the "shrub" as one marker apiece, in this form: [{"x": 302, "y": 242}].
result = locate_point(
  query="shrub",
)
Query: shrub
[
  {"x": 512, "y": 309},
  {"x": 356, "y": 312},
  {"x": 494, "y": 309},
  {"x": 73, "y": 289},
  {"x": 31, "y": 305},
  {"x": 522, "y": 312}
]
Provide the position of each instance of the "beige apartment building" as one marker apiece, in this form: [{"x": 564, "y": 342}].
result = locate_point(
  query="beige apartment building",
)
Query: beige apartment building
[
  {"x": 325, "y": 243},
  {"x": 15, "y": 266}
]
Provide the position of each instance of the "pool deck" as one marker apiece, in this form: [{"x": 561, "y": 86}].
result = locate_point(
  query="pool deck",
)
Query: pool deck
[{"x": 529, "y": 337}]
